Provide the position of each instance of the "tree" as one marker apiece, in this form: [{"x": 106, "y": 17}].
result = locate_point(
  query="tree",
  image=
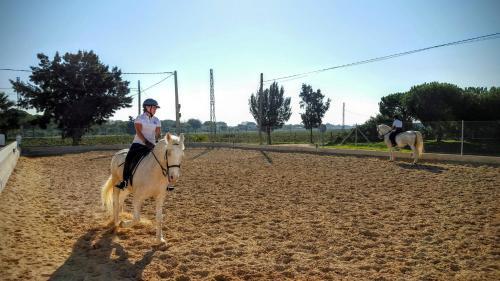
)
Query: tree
[
  {"x": 130, "y": 125},
  {"x": 315, "y": 107},
  {"x": 369, "y": 128},
  {"x": 221, "y": 126},
  {"x": 10, "y": 118},
  {"x": 167, "y": 125},
  {"x": 276, "y": 108},
  {"x": 195, "y": 124},
  {"x": 431, "y": 102},
  {"x": 76, "y": 91},
  {"x": 393, "y": 104}
]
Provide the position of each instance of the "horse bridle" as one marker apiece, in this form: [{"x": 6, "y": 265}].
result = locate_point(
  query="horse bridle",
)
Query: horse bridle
[
  {"x": 382, "y": 136},
  {"x": 163, "y": 170}
]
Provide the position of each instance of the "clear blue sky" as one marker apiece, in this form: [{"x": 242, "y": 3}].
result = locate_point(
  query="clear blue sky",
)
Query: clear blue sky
[{"x": 241, "y": 39}]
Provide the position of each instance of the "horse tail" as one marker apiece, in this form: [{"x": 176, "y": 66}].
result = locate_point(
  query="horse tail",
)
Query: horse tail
[
  {"x": 107, "y": 194},
  {"x": 419, "y": 143}
]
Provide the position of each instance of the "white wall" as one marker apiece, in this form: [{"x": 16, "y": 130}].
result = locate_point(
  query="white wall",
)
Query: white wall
[{"x": 8, "y": 160}]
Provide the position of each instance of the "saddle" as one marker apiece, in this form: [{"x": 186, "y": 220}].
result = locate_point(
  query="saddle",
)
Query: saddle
[
  {"x": 393, "y": 135},
  {"x": 131, "y": 163}
]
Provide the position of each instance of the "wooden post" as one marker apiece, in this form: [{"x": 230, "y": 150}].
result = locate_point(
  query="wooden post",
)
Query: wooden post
[{"x": 139, "y": 95}]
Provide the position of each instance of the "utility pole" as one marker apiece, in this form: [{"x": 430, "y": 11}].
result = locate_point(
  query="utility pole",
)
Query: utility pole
[
  {"x": 177, "y": 107},
  {"x": 21, "y": 129},
  {"x": 17, "y": 103},
  {"x": 261, "y": 100},
  {"x": 139, "y": 95},
  {"x": 343, "y": 116},
  {"x": 213, "y": 124}
]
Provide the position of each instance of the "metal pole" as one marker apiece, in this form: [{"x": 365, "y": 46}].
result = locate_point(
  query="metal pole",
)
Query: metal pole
[
  {"x": 139, "y": 95},
  {"x": 343, "y": 115},
  {"x": 17, "y": 104},
  {"x": 177, "y": 107},
  {"x": 356, "y": 136},
  {"x": 462, "y": 140},
  {"x": 260, "y": 100}
]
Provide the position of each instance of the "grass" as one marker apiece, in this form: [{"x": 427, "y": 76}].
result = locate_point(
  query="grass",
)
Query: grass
[{"x": 489, "y": 148}]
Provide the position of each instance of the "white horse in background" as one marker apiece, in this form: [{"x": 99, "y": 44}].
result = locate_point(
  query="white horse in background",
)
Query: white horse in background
[
  {"x": 158, "y": 168},
  {"x": 412, "y": 138}
]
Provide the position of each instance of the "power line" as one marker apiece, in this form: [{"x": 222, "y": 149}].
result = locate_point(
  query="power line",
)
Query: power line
[
  {"x": 15, "y": 70},
  {"x": 155, "y": 84},
  {"x": 124, "y": 73},
  {"x": 147, "y": 73},
  {"x": 470, "y": 40}
]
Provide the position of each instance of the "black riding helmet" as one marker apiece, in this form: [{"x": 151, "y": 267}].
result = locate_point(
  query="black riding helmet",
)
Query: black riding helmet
[{"x": 150, "y": 102}]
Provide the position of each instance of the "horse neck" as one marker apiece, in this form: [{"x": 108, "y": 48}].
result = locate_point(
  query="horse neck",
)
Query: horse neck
[{"x": 385, "y": 129}]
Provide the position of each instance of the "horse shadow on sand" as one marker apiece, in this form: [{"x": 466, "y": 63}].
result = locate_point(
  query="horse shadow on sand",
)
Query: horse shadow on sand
[
  {"x": 422, "y": 167},
  {"x": 96, "y": 256}
]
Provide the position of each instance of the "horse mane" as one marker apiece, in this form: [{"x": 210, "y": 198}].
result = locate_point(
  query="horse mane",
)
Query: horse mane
[{"x": 384, "y": 126}]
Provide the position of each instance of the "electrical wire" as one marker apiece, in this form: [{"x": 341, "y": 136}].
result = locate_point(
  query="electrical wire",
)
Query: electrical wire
[
  {"x": 155, "y": 84},
  {"x": 470, "y": 40}
]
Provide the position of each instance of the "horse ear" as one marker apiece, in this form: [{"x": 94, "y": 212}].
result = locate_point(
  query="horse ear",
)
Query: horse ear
[
  {"x": 168, "y": 137},
  {"x": 182, "y": 141}
]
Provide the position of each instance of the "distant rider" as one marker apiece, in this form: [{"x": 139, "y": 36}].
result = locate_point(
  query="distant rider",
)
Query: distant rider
[{"x": 397, "y": 127}]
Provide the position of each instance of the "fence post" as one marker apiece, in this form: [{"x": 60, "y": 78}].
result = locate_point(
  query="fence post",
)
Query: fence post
[
  {"x": 356, "y": 136},
  {"x": 462, "y": 140}
]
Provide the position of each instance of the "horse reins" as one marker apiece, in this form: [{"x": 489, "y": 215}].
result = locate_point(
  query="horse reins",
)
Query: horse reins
[{"x": 163, "y": 170}]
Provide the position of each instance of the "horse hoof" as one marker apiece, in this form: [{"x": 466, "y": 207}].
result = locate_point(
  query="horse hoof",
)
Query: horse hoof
[
  {"x": 161, "y": 240},
  {"x": 127, "y": 223}
]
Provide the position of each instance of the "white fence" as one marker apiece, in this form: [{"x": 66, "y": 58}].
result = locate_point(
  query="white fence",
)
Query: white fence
[{"x": 8, "y": 160}]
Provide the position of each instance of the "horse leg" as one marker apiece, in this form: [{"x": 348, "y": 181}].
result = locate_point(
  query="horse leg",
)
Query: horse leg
[
  {"x": 137, "y": 205},
  {"x": 123, "y": 196},
  {"x": 116, "y": 205},
  {"x": 137, "y": 210},
  {"x": 414, "y": 154},
  {"x": 159, "y": 217},
  {"x": 391, "y": 151}
]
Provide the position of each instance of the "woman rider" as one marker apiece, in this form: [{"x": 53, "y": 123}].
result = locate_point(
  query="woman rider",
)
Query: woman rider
[{"x": 147, "y": 132}]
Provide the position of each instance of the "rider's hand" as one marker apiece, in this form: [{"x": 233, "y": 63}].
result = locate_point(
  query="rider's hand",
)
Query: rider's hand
[{"x": 149, "y": 144}]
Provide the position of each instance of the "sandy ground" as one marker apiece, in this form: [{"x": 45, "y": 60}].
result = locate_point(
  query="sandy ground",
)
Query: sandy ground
[{"x": 248, "y": 215}]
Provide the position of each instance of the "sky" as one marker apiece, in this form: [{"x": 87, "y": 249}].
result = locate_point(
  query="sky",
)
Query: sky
[{"x": 241, "y": 39}]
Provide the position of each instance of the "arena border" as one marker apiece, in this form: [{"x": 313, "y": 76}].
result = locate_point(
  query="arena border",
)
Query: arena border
[
  {"x": 40, "y": 151},
  {"x": 472, "y": 159},
  {"x": 9, "y": 155}
]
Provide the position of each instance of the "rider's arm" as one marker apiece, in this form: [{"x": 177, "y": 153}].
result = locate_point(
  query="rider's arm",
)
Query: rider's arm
[
  {"x": 157, "y": 133},
  {"x": 138, "y": 131}
]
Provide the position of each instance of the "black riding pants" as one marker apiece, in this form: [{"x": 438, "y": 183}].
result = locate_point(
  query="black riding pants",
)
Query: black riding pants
[
  {"x": 393, "y": 135},
  {"x": 134, "y": 155}
]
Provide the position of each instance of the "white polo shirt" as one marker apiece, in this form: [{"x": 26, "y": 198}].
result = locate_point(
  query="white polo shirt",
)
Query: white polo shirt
[
  {"x": 149, "y": 126},
  {"x": 397, "y": 123}
]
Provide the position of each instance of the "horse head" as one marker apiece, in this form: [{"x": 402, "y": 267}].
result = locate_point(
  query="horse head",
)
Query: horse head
[
  {"x": 172, "y": 149},
  {"x": 382, "y": 130}
]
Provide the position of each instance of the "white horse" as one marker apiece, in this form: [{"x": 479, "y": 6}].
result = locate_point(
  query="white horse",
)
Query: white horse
[
  {"x": 158, "y": 168},
  {"x": 412, "y": 138}
]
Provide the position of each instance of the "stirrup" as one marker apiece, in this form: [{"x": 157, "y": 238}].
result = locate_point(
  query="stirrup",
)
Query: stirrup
[{"x": 121, "y": 185}]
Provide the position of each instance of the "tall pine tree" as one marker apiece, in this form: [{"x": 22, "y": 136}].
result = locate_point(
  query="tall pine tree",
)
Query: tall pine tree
[
  {"x": 276, "y": 108},
  {"x": 314, "y": 106}
]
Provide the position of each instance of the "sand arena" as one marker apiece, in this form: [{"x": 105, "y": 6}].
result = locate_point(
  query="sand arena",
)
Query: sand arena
[{"x": 248, "y": 215}]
